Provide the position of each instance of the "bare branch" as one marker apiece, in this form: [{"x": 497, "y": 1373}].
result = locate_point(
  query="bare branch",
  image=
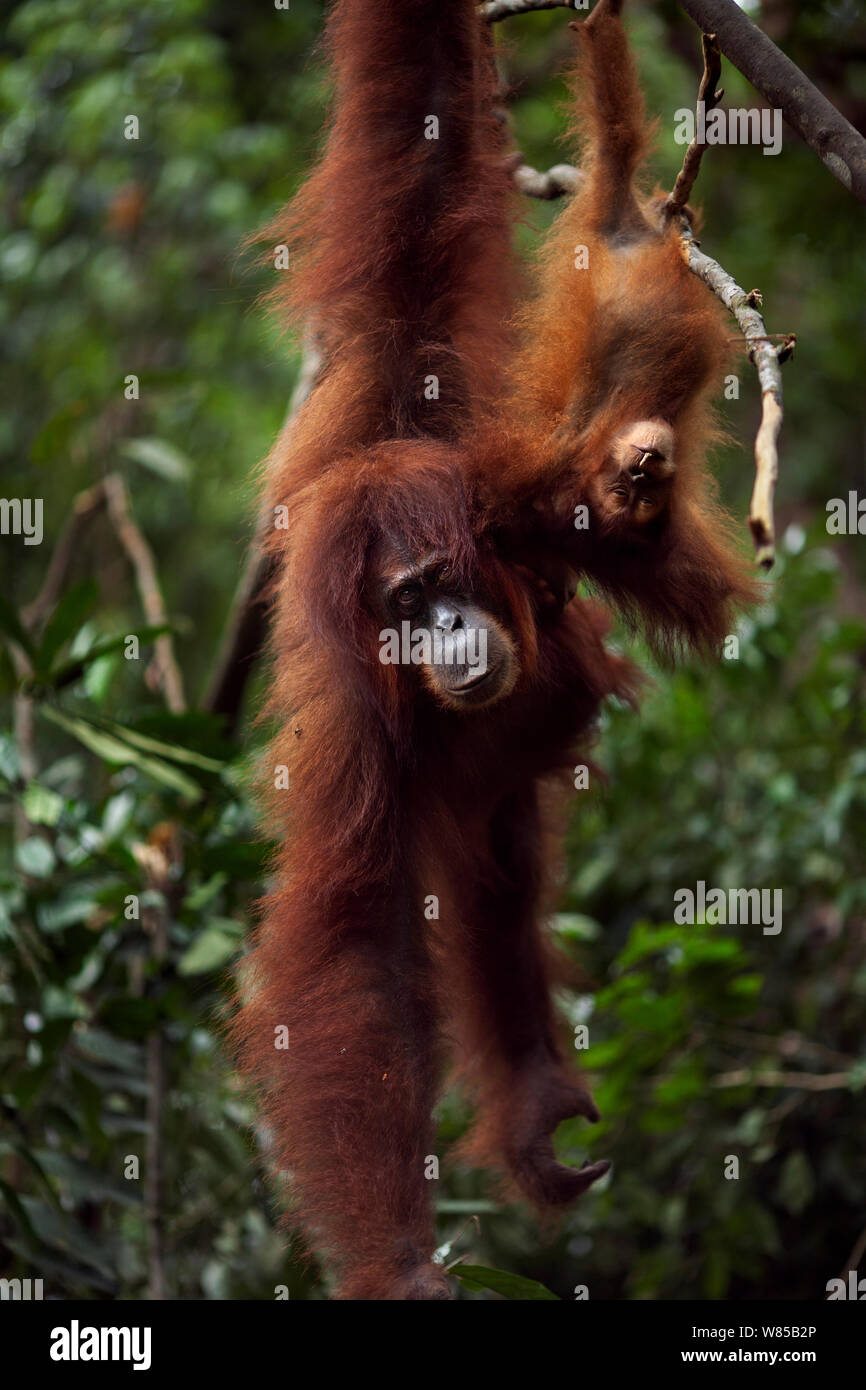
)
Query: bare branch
[
  {"x": 160, "y": 858},
  {"x": 710, "y": 96},
  {"x": 243, "y": 639},
  {"x": 771, "y": 72},
  {"x": 800, "y": 1080},
  {"x": 110, "y": 493},
  {"x": 766, "y": 357},
  {"x": 141, "y": 558},
  {"x": 85, "y": 507},
  {"x": 495, "y": 10},
  {"x": 806, "y": 109}
]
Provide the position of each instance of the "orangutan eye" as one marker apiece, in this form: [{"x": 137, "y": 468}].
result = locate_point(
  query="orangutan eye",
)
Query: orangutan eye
[
  {"x": 620, "y": 491},
  {"x": 408, "y": 598}
]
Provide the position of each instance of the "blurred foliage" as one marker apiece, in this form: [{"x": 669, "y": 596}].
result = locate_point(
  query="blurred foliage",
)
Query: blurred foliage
[{"x": 123, "y": 822}]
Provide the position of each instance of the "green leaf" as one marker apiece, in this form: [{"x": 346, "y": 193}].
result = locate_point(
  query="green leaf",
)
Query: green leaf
[
  {"x": 128, "y": 1016},
  {"x": 52, "y": 441},
  {"x": 28, "y": 1157},
  {"x": 70, "y": 671},
  {"x": 20, "y": 1214},
  {"x": 72, "y": 610},
  {"x": 13, "y": 629},
  {"x": 167, "y": 750},
  {"x": 796, "y": 1184},
  {"x": 112, "y": 750},
  {"x": 41, "y": 805},
  {"x": 512, "y": 1286},
  {"x": 35, "y": 857},
  {"x": 857, "y": 1076},
  {"x": 160, "y": 457},
  {"x": 212, "y": 948},
  {"x": 75, "y": 904},
  {"x": 200, "y": 896},
  {"x": 87, "y": 1182},
  {"x": 575, "y": 926},
  {"x": 95, "y": 1043}
]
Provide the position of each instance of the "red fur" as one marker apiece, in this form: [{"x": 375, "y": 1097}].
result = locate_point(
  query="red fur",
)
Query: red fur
[
  {"x": 402, "y": 266},
  {"x": 635, "y": 336}
]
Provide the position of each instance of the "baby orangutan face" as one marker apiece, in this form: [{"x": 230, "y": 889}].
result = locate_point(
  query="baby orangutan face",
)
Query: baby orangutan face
[{"x": 632, "y": 488}]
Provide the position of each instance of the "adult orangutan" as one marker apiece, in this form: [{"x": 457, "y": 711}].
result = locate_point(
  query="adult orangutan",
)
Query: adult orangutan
[{"x": 432, "y": 484}]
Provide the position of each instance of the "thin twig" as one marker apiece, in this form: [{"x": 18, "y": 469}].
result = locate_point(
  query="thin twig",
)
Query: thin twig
[
  {"x": 160, "y": 858},
  {"x": 243, "y": 639},
  {"x": 767, "y": 359},
  {"x": 789, "y": 1044},
  {"x": 85, "y": 508},
  {"x": 141, "y": 558},
  {"x": 709, "y": 97},
  {"x": 800, "y": 1080},
  {"x": 786, "y": 88}
]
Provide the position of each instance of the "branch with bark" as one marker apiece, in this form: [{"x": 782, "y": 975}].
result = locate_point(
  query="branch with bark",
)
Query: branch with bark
[
  {"x": 109, "y": 495},
  {"x": 771, "y": 72},
  {"x": 140, "y": 555},
  {"x": 767, "y": 357},
  {"x": 784, "y": 86},
  {"x": 495, "y": 10},
  {"x": 710, "y": 96},
  {"x": 800, "y": 1080}
]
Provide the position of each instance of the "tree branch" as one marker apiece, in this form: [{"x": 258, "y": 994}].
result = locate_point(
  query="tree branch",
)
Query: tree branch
[
  {"x": 161, "y": 858},
  {"x": 743, "y": 306},
  {"x": 495, "y": 10},
  {"x": 800, "y": 1080},
  {"x": 141, "y": 558},
  {"x": 85, "y": 507},
  {"x": 815, "y": 119},
  {"x": 243, "y": 639},
  {"x": 710, "y": 96},
  {"x": 771, "y": 72},
  {"x": 767, "y": 359}
]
